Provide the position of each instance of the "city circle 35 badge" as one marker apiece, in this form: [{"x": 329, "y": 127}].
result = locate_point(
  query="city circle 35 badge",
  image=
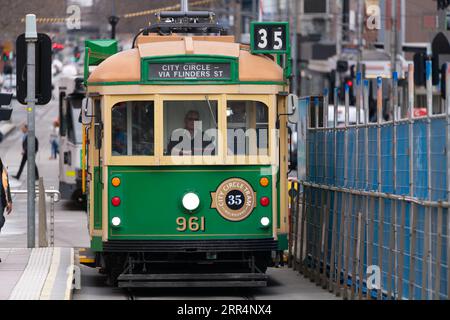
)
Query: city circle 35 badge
[{"x": 234, "y": 199}]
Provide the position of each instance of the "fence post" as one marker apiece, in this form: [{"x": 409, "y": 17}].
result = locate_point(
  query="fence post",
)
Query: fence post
[
  {"x": 427, "y": 259},
  {"x": 447, "y": 101},
  {"x": 380, "y": 200},
  {"x": 366, "y": 171},
  {"x": 43, "y": 242}
]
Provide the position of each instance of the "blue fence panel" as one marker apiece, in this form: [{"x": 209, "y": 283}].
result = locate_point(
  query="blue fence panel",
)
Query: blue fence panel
[
  {"x": 387, "y": 165},
  {"x": 420, "y": 160},
  {"x": 311, "y": 142},
  {"x": 361, "y": 183},
  {"x": 330, "y": 170},
  {"x": 418, "y": 260},
  {"x": 403, "y": 159},
  {"x": 320, "y": 154},
  {"x": 340, "y": 159},
  {"x": 438, "y": 165},
  {"x": 351, "y": 160},
  {"x": 373, "y": 159}
]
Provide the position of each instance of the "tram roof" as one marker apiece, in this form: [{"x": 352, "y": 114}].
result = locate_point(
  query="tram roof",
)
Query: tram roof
[{"x": 125, "y": 67}]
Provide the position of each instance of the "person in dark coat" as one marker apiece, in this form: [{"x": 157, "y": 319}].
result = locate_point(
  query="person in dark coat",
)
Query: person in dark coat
[
  {"x": 5, "y": 199},
  {"x": 25, "y": 151}
]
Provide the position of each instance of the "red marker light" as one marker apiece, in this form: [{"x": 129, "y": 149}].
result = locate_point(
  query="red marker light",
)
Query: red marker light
[
  {"x": 115, "y": 201},
  {"x": 264, "y": 201},
  {"x": 350, "y": 83}
]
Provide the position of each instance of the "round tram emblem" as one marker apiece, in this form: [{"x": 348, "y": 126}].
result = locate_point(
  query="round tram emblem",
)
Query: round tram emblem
[{"x": 234, "y": 199}]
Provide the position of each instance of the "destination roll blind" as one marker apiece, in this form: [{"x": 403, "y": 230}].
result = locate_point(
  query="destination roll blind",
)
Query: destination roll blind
[{"x": 189, "y": 71}]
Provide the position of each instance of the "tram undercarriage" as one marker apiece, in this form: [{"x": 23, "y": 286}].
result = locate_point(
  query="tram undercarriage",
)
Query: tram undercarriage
[{"x": 186, "y": 269}]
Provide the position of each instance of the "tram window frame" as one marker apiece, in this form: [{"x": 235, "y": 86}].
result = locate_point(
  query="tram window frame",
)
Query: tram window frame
[
  {"x": 236, "y": 155},
  {"x": 62, "y": 114},
  {"x": 213, "y": 101},
  {"x": 135, "y": 129},
  {"x": 72, "y": 121},
  {"x": 98, "y": 124}
]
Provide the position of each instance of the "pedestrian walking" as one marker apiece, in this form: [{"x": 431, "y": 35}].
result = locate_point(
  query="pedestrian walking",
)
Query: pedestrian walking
[
  {"x": 54, "y": 134},
  {"x": 5, "y": 200},
  {"x": 25, "y": 153}
]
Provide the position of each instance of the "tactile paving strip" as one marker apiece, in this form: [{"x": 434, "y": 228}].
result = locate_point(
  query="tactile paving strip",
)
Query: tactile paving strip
[{"x": 33, "y": 278}]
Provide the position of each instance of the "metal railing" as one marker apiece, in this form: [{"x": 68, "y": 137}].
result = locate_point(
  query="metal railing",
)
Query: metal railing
[
  {"x": 55, "y": 196},
  {"x": 373, "y": 218}
]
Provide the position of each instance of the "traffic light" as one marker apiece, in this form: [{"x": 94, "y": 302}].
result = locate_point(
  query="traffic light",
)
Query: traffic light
[
  {"x": 342, "y": 66},
  {"x": 420, "y": 78},
  {"x": 43, "y": 76},
  {"x": 349, "y": 81},
  {"x": 419, "y": 69}
]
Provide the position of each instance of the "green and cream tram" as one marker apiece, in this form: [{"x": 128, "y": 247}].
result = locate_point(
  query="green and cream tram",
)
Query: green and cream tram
[{"x": 185, "y": 147}]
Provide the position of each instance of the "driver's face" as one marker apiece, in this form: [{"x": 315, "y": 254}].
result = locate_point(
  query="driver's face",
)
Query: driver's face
[{"x": 190, "y": 120}]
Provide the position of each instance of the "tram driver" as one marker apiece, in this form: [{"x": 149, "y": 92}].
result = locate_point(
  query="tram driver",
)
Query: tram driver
[{"x": 191, "y": 140}]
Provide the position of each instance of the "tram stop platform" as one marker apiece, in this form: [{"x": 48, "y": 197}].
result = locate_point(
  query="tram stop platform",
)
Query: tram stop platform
[{"x": 36, "y": 274}]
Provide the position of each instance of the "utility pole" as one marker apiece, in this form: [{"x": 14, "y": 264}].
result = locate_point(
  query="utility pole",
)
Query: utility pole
[
  {"x": 294, "y": 49},
  {"x": 31, "y": 39},
  {"x": 360, "y": 30},
  {"x": 338, "y": 37},
  {"x": 394, "y": 36},
  {"x": 237, "y": 19}
]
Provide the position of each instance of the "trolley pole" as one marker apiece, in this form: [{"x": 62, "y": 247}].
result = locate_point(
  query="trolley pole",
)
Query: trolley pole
[
  {"x": 184, "y": 5},
  {"x": 31, "y": 38}
]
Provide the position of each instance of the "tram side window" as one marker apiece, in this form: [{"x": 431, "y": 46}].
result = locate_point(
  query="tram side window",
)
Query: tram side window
[
  {"x": 133, "y": 128},
  {"x": 190, "y": 128},
  {"x": 73, "y": 126},
  {"x": 247, "y": 128}
]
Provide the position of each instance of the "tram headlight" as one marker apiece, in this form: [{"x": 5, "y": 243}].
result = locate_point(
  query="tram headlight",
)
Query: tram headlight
[
  {"x": 265, "y": 222},
  {"x": 191, "y": 201},
  {"x": 116, "y": 221}
]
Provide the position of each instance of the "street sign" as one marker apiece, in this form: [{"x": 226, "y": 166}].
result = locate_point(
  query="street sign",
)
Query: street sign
[
  {"x": 269, "y": 37},
  {"x": 43, "y": 87},
  {"x": 189, "y": 71}
]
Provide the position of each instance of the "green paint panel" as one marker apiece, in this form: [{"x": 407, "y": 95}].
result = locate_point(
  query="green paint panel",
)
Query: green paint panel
[
  {"x": 151, "y": 202},
  {"x": 283, "y": 241},
  {"x": 96, "y": 244},
  {"x": 98, "y": 190},
  {"x": 100, "y": 50}
]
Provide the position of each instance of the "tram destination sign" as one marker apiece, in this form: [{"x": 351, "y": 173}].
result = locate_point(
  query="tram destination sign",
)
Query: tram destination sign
[{"x": 189, "y": 71}]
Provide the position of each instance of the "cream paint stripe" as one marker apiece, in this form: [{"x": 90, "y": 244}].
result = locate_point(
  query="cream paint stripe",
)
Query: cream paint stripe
[
  {"x": 274, "y": 205},
  {"x": 97, "y": 233},
  {"x": 70, "y": 270},
  {"x": 50, "y": 281},
  {"x": 107, "y": 150},
  {"x": 158, "y": 132},
  {"x": 186, "y": 89}
]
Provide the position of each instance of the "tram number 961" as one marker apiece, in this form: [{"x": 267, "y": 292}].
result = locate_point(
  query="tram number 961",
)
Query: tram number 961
[{"x": 193, "y": 224}]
